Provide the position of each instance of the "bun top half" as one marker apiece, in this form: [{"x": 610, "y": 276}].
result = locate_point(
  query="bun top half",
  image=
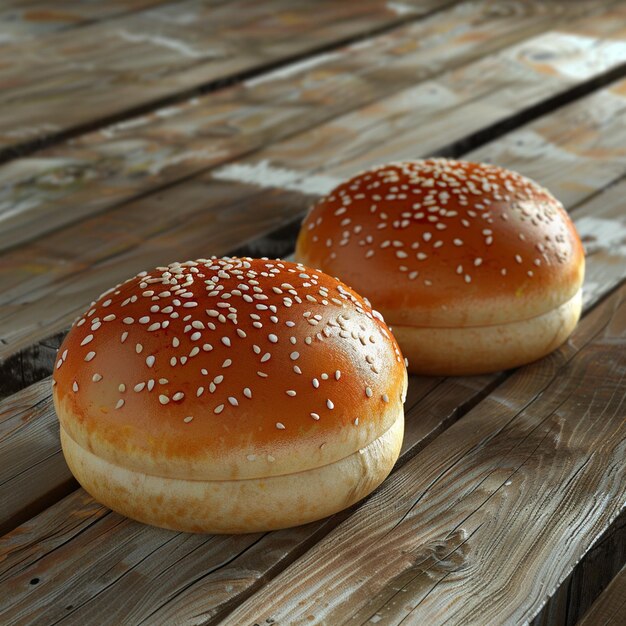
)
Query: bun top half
[
  {"x": 228, "y": 369},
  {"x": 446, "y": 243}
]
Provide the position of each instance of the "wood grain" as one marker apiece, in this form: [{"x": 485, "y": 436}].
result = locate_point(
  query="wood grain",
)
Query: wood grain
[
  {"x": 432, "y": 405},
  {"x": 25, "y": 19},
  {"x": 471, "y": 530},
  {"x": 610, "y": 608},
  {"x": 33, "y": 474},
  {"x": 100, "y": 170},
  {"x": 71, "y": 80},
  {"x": 575, "y": 151}
]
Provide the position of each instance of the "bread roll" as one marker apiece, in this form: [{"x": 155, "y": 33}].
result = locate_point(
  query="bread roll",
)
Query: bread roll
[
  {"x": 475, "y": 268},
  {"x": 230, "y": 395}
]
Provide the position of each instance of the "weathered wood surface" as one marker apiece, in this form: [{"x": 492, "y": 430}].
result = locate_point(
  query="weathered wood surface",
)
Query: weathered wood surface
[
  {"x": 25, "y": 19},
  {"x": 71, "y": 80},
  {"x": 33, "y": 473},
  {"x": 63, "y": 270},
  {"x": 610, "y": 608},
  {"x": 510, "y": 488},
  {"x": 103, "y": 169},
  {"x": 486, "y": 522}
]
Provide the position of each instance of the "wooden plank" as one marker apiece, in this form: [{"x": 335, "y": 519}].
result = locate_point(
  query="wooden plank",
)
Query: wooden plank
[
  {"x": 25, "y": 19},
  {"x": 610, "y": 608},
  {"x": 63, "y": 270},
  {"x": 100, "y": 170},
  {"x": 432, "y": 405},
  {"x": 33, "y": 474},
  {"x": 487, "y": 521},
  {"x": 130, "y": 63}
]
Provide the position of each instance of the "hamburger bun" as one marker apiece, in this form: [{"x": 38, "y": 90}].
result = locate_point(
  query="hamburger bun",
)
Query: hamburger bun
[
  {"x": 475, "y": 268},
  {"x": 229, "y": 396}
]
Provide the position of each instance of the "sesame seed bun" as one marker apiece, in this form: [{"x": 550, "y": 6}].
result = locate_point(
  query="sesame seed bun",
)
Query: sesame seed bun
[
  {"x": 230, "y": 395},
  {"x": 469, "y": 250}
]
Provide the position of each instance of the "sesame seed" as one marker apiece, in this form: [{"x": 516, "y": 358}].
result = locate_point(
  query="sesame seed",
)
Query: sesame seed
[
  {"x": 179, "y": 395},
  {"x": 128, "y": 320},
  {"x": 294, "y": 356},
  {"x": 368, "y": 392},
  {"x": 316, "y": 383},
  {"x": 337, "y": 375},
  {"x": 188, "y": 419},
  {"x": 218, "y": 409},
  {"x": 96, "y": 378},
  {"x": 150, "y": 360},
  {"x": 290, "y": 392},
  {"x": 90, "y": 355},
  {"x": 163, "y": 399},
  {"x": 120, "y": 404},
  {"x": 273, "y": 338},
  {"x": 330, "y": 405},
  {"x": 139, "y": 387},
  {"x": 315, "y": 416},
  {"x": 121, "y": 388},
  {"x": 86, "y": 340},
  {"x": 138, "y": 348},
  {"x": 280, "y": 426},
  {"x": 226, "y": 341},
  {"x": 385, "y": 398},
  {"x": 74, "y": 386},
  {"x": 266, "y": 357},
  {"x": 233, "y": 401},
  {"x": 247, "y": 392}
]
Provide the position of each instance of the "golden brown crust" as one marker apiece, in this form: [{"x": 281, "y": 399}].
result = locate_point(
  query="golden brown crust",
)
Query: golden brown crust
[
  {"x": 445, "y": 243},
  {"x": 226, "y": 369},
  {"x": 238, "y": 506}
]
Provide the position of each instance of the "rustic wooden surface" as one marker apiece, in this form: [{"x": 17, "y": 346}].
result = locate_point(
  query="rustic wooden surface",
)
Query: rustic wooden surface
[
  {"x": 67, "y": 83},
  {"x": 507, "y": 503}
]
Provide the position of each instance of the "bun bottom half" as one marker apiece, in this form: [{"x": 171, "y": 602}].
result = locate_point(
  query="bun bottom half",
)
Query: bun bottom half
[
  {"x": 237, "y": 506},
  {"x": 483, "y": 349}
]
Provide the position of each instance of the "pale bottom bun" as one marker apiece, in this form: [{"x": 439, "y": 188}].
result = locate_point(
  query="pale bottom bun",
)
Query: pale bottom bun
[
  {"x": 237, "y": 506},
  {"x": 482, "y": 349}
]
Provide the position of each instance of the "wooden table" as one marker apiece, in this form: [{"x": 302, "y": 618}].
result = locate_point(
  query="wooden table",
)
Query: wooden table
[{"x": 138, "y": 132}]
